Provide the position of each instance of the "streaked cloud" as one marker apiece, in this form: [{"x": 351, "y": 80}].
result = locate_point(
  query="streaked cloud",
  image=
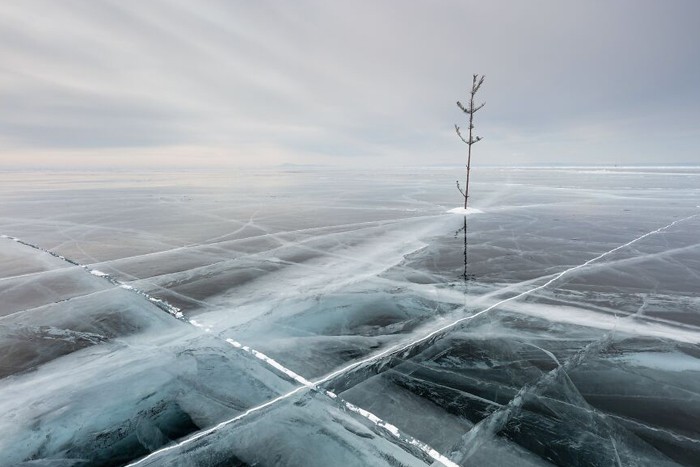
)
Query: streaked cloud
[{"x": 367, "y": 82}]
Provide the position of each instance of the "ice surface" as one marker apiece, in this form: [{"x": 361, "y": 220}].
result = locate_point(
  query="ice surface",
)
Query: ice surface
[{"x": 328, "y": 317}]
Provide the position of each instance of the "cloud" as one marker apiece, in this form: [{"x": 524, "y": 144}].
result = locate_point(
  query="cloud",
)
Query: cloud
[{"x": 347, "y": 82}]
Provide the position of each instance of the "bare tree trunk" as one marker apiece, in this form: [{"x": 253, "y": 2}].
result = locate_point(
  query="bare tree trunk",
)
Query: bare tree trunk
[
  {"x": 469, "y": 151},
  {"x": 470, "y": 110}
]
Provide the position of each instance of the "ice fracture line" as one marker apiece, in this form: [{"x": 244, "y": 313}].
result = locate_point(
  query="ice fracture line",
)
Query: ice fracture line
[
  {"x": 162, "y": 304},
  {"x": 400, "y": 348},
  {"x": 391, "y": 351},
  {"x": 174, "y": 311},
  {"x": 306, "y": 384},
  {"x": 403, "y": 347}
]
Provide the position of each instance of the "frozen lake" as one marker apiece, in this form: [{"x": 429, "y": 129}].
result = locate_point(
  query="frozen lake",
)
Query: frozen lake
[{"x": 330, "y": 317}]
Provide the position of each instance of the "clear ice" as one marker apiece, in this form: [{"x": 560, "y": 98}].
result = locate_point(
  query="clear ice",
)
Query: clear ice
[{"x": 337, "y": 317}]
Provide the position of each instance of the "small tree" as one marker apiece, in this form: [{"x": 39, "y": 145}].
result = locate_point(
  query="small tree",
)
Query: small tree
[{"x": 470, "y": 110}]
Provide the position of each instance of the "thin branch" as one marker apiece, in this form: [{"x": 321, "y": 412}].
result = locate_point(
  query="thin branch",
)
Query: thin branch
[
  {"x": 475, "y": 109},
  {"x": 469, "y": 110},
  {"x": 460, "y": 189},
  {"x": 460, "y": 135},
  {"x": 476, "y": 85}
]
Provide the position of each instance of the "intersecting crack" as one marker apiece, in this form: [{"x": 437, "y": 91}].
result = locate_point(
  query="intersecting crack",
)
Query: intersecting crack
[
  {"x": 498, "y": 418},
  {"x": 174, "y": 311}
]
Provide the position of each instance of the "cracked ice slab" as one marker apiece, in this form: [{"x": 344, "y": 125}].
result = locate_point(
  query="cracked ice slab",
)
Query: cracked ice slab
[
  {"x": 346, "y": 264},
  {"x": 119, "y": 400}
]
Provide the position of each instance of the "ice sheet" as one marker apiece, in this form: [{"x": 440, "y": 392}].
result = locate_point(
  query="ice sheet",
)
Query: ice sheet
[{"x": 323, "y": 316}]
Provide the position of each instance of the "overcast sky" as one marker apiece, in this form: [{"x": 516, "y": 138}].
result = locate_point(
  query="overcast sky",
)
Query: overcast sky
[{"x": 359, "y": 83}]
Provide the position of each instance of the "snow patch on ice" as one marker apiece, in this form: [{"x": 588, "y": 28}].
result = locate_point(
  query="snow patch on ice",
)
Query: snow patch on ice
[
  {"x": 197, "y": 324},
  {"x": 466, "y": 211}
]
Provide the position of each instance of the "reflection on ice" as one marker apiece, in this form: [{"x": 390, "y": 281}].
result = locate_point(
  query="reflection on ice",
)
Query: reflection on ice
[{"x": 354, "y": 322}]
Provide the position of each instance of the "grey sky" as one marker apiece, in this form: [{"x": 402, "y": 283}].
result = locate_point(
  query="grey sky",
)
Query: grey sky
[{"x": 352, "y": 83}]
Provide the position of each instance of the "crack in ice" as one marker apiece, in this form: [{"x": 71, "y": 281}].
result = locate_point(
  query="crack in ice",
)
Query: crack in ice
[
  {"x": 424, "y": 447},
  {"x": 498, "y": 419},
  {"x": 403, "y": 347},
  {"x": 306, "y": 384},
  {"x": 400, "y": 348},
  {"x": 162, "y": 304}
]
